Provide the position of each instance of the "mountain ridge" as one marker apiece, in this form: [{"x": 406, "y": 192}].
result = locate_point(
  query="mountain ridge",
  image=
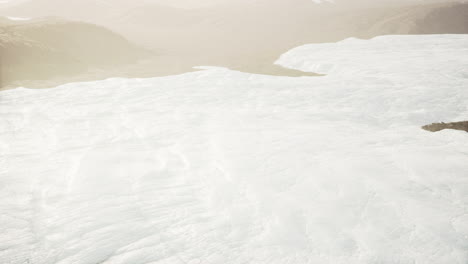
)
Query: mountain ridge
[{"x": 53, "y": 47}]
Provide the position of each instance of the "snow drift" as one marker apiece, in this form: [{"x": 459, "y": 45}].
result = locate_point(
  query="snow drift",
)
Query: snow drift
[{"x": 219, "y": 166}]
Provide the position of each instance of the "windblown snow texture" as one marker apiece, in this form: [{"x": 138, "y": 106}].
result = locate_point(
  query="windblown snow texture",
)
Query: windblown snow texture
[{"x": 219, "y": 166}]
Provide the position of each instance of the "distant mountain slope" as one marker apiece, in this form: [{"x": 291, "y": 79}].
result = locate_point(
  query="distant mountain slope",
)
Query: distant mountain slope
[
  {"x": 295, "y": 20},
  {"x": 239, "y": 36},
  {"x": 83, "y": 10},
  {"x": 46, "y": 48},
  {"x": 449, "y": 18}
]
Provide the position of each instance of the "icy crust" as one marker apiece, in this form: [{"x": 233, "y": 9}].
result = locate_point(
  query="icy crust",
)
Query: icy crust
[
  {"x": 383, "y": 56},
  {"x": 219, "y": 166}
]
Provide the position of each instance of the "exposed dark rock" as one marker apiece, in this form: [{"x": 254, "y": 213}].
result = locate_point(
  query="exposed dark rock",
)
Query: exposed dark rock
[{"x": 441, "y": 126}]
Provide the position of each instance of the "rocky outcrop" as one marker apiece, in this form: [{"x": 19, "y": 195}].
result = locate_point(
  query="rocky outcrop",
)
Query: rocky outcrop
[{"x": 435, "y": 127}]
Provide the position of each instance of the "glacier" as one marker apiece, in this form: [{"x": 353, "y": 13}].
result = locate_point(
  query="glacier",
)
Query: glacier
[{"x": 220, "y": 166}]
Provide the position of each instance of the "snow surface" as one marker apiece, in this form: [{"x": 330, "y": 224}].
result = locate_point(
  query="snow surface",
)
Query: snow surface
[
  {"x": 220, "y": 166},
  {"x": 18, "y": 18}
]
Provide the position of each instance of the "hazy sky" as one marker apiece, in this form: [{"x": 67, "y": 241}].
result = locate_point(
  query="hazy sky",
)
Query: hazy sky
[
  {"x": 179, "y": 3},
  {"x": 202, "y": 3}
]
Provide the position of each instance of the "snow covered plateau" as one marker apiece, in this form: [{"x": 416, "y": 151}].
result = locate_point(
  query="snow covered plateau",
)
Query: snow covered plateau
[{"x": 219, "y": 166}]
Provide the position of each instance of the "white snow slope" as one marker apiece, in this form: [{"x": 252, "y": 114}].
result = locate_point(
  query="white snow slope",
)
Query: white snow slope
[
  {"x": 219, "y": 166},
  {"x": 18, "y": 18}
]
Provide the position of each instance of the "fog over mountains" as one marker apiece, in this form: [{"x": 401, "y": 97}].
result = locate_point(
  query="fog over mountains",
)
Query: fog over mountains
[
  {"x": 53, "y": 47},
  {"x": 242, "y": 35},
  {"x": 214, "y": 3}
]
